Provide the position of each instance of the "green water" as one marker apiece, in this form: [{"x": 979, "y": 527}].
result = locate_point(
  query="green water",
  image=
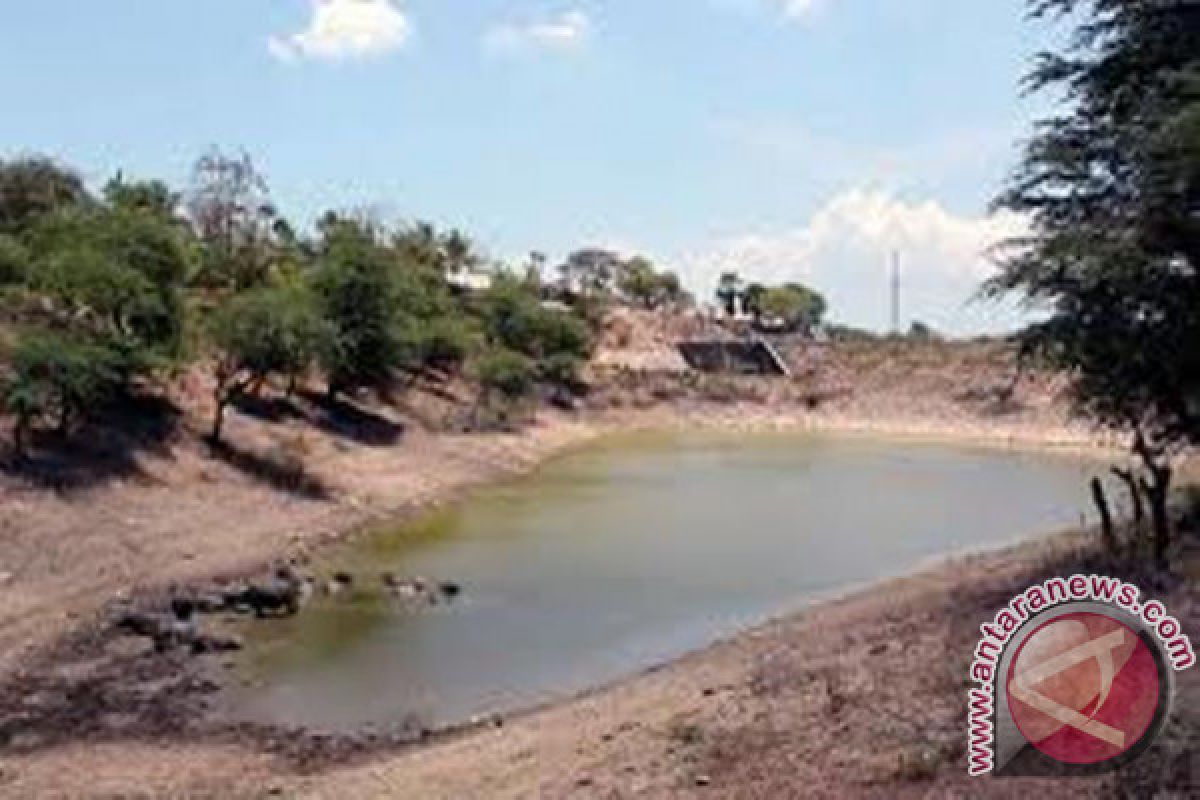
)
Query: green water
[{"x": 621, "y": 556}]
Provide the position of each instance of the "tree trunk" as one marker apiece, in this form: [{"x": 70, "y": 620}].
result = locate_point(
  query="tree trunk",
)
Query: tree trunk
[
  {"x": 1106, "y": 520},
  {"x": 1128, "y": 477},
  {"x": 20, "y": 433},
  {"x": 1158, "y": 492},
  {"x": 219, "y": 418}
]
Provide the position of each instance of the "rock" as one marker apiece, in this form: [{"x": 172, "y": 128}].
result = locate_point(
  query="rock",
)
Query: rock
[
  {"x": 206, "y": 644},
  {"x": 703, "y": 780},
  {"x": 209, "y": 602},
  {"x": 278, "y": 598},
  {"x": 183, "y": 608}
]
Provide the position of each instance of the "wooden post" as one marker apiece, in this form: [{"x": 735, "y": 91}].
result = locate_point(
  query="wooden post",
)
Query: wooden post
[{"x": 1106, "y": 521}]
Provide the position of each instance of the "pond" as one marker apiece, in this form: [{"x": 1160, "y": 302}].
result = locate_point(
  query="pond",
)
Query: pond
[{"x": 614, "y": 558}]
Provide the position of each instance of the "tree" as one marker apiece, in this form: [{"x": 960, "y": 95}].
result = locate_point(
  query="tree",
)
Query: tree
[
  {"x": 458, "y": 252},
  {"x": 505, "y": 373},
  {"x": 1112, "y": 190},
  {"x": 259, "y": 333},
  {"x": 590, "y": 272},
  {"x": 641, "y": 282},
  {"x": 555, "y": 343},
  {"x": 100, "y": 283},
  {"x": 58, "y": 374},
  {"x": 114, "y": 273},
  {"x": 356, "y": 288},
  {"x": 672, "y": 292},
  {"x": 230, "y": 207},
  {"x": 752, "y": 298},
  {"x": 638, "y": 280},
  {"x": 148, "y": 197},
  {"x": 32, "y": 187},
  {"x": 794, "y": 306}
]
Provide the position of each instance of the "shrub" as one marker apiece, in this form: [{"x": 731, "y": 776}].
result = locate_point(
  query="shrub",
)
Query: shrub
[
  {"x": 506, "y": 373},
  {"x": 14, "y": 261},
  {"x": 57, "y": 374}
]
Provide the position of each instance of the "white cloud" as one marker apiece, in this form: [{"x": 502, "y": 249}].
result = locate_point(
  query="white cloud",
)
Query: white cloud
[
  {"x": 797, "y": 9},
  {"x": 566, "y": 32},
  {"x": 344, "y": 29},
  {"x": 845, "y": 248}
]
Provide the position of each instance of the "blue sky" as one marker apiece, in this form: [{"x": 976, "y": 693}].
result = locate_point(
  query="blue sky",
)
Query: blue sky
[{"x": 791, "y": 139}]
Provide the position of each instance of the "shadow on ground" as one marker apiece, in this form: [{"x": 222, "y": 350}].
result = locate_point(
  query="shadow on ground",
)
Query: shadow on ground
[
  {"x": 276, "y": 468},
  {"x": 106, "y": 448}
]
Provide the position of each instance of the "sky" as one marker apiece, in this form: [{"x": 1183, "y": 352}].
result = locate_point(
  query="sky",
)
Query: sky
[{"x": 787, "y": 140}]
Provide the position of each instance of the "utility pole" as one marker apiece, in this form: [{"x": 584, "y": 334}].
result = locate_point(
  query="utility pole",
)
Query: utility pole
[{"x": 895, "y": 291}]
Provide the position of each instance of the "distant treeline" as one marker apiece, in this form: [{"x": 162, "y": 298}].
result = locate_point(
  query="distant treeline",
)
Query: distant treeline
[{"x": 103, "y": 294}]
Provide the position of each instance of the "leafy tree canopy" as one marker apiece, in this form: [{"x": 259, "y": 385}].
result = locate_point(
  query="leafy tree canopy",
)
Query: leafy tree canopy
[{"x": 1112, "y": 191}]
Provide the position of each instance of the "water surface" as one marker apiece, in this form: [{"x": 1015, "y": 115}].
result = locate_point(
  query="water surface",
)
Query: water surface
[{"x": 627, "y": 554}]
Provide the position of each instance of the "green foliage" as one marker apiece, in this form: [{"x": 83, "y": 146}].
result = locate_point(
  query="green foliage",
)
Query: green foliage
[
  {"x": 154, "y": 198},
  {"x": 639, "y": 281},
  {"x": 356, "y": 289},
  {"x": 59, "y": 375},
  {"x": 117, "y": 273},
  {"x": 1112, "y": 190},
  {"x": 109, "y": 290},
  {"x": 559, "y": 332},
  {"x": 445, "y": 342},
  {"x": 752, "y": 298},
  {"x": 794, "y": 306},
  {"x": 506, "y": 373},
  {"x": 32, "y": 187},
  {"x": 511, "y": 315},
  {"x": 270, "y": 331},
  {"x": 14, "y": 261},
  {"x": 515, "y": 319},
  {"x": 560, "y": 369}
]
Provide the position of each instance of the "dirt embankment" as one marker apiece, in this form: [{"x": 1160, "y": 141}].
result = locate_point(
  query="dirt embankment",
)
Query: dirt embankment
[
  {"x": 89, "y": 527},
  {"x": 154, "y": 504}
]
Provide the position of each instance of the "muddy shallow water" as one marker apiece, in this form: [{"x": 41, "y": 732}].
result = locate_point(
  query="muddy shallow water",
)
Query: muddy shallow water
[{"x": 624, "y": 555}]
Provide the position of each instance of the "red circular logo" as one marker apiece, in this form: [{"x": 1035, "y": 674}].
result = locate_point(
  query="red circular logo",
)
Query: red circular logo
[{"x": 1083, "y": 688}]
